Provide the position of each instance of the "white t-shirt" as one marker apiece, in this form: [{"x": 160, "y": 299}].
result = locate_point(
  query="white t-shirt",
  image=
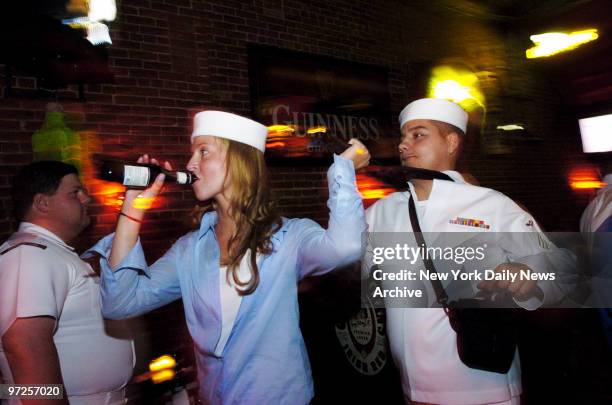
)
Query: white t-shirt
[
  {"x": 599, "y": 210},
  {"x": 230, "y": 301},
  {"x": 45, "y": 277}
]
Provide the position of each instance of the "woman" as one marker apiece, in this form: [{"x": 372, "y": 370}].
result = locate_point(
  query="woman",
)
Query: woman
[{"x": 238, "y": 273}]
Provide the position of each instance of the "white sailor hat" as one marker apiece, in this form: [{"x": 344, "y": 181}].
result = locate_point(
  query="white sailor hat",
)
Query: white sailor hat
[
  {"x": 230, "y": 126},
  {"x": 435, "y": 109}
]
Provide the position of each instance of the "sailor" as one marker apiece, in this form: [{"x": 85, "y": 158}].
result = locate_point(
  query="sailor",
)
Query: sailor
[
  {"x": 51, "y": 325},
  {"x": 423, "y": 344},
  {"x": 595, "y": 224}
]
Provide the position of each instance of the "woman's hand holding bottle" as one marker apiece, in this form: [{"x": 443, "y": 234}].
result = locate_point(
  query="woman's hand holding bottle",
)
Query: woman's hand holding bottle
[
  {"x": 136, "y": 202},
  {"x": 358, "y": 153}
]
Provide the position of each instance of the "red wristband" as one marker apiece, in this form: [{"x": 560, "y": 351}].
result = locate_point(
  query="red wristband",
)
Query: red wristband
[{"x": 130, "y": 217}]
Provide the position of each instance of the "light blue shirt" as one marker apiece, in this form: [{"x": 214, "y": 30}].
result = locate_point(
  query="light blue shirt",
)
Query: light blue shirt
[{"x": 265, "y": 359}]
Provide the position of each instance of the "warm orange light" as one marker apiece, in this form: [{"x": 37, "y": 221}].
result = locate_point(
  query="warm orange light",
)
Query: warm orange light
[
  {"x": 273, "y": 138},
  {"x": 316, "y": 130},
  {"x": 586, "y": 184},
  {"x": 115, "y": 201},
  {"x": 280, "y": 128},
  {"x": 377, "y": 194},
  {"x": 275, "y": 145},
  {"x": 143, "y": 203},
  {"x": 162, "y": 369},
  {"x": 110, "y": 188},
  {"x": 111, "y": 193},
  {"x": 161, "y": 376},
  {"x": 372, "y": 188},
  {"x": 162, "y": 362},
  {"x": 585, "y": 178}
]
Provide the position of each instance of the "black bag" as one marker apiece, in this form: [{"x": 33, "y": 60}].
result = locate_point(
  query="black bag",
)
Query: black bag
[{"x": 486, "y": 333}]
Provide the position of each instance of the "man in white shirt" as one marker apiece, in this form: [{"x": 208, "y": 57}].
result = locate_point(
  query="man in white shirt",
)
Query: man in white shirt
[
  {"x": 597, "y": 216},
  {"x": 595, "y": 221},
  {"x": 423, "y": 344},
  {"x": 51, "y": 327}
]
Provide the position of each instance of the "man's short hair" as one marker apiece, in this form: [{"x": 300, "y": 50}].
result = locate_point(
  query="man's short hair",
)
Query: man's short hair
[
  {"x": 446, "y": 128},
  {"x": 37, "y": 177}
]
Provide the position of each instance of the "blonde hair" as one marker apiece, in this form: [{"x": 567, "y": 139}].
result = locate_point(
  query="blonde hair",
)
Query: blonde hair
[{"x": 251, "y": 208}]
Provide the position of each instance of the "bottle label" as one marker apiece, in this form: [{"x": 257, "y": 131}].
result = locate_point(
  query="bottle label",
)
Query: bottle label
[
  {"x": 181, "y": 178},
  {"x": 136, "y": 176}
]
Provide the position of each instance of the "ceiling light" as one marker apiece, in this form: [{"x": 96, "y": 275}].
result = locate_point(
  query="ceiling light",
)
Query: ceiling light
[
  {"x": 511, "y": 127},
  {"x": 552, "y": 43}
]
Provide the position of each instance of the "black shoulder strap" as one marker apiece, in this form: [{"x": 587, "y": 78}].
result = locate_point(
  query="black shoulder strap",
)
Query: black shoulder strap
[
  {"x": 425, "y": 174},
  {"x": 38, "y": 245},
  {"x": 442, "y": 298}
]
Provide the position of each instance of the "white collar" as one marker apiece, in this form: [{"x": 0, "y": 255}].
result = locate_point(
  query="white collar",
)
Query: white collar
[
  {"x": 28, "y": 227},
  {"x": 456, "y": 176}
]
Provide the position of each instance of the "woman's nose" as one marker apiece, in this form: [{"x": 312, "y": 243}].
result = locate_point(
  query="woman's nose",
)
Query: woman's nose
[{"x": 191, "y": 164}]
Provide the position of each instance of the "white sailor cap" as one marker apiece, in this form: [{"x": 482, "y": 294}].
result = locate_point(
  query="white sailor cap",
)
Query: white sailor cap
[
  {"x": 435, "y": 109},
  {"x": 230, "y": 126}
]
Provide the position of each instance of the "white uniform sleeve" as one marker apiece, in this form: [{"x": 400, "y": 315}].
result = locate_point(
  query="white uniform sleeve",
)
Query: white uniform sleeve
[
  {"x": 31, "y": 284},
  {"x": 526, "y": 243}
]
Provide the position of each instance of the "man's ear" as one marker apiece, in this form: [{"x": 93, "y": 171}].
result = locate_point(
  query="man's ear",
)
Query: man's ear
[
  {"x": 453, "y": 140},
  {"x": 40, "y": 203}
]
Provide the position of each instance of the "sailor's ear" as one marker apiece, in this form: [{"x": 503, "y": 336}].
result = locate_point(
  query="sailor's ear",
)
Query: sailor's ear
[
  {"x": 40, "y": 203},
  {"x": 453, "y": 141}
]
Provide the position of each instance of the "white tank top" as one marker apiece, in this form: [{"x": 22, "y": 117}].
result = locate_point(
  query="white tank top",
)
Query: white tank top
[{"x": 230, "y": 300}]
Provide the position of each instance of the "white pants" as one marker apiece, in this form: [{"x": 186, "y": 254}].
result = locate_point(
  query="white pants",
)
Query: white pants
[{"x": 103, "y": 398}]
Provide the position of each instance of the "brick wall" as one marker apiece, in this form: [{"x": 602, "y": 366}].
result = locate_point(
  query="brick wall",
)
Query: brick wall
[{"x": 171, "y": 58}]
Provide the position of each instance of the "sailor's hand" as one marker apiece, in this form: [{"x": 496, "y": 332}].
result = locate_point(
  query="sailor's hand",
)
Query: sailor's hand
[
  {"x": 358, "y": 153},
  {"x": 509, "y": 279}
]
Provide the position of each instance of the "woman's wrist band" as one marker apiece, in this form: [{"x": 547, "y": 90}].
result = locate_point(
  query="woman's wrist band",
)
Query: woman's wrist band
[{"x": 130, "y": 217}]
